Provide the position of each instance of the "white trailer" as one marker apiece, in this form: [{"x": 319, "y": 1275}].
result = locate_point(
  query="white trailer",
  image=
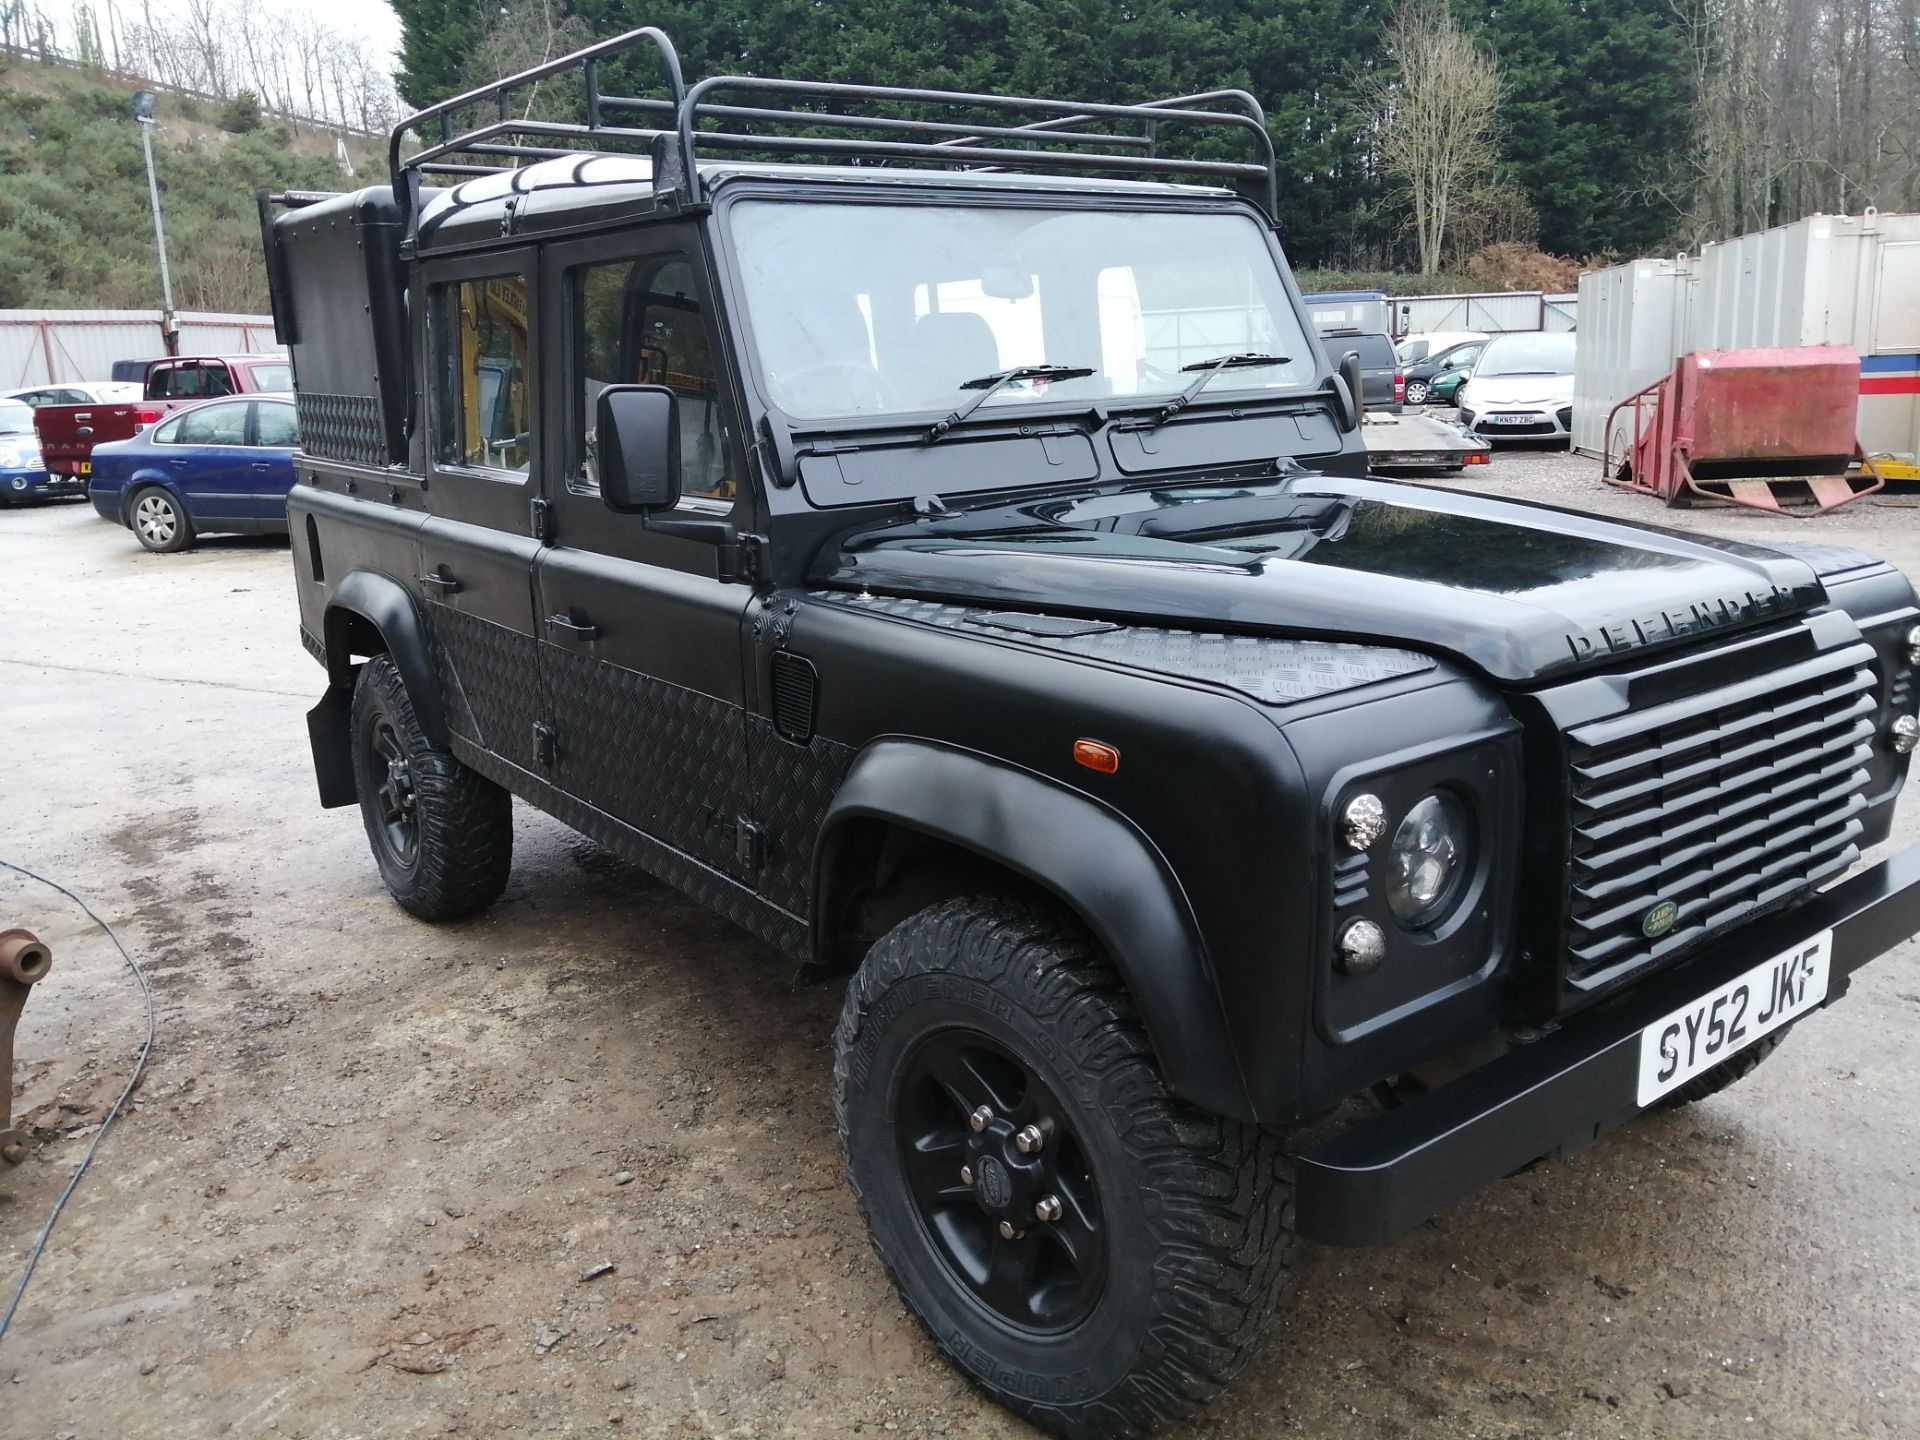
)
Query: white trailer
[{"x": 1825, "y": 280}]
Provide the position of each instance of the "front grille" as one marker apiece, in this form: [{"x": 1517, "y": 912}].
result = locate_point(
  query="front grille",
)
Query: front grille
[
  {"x": 1723, "y": 805},
  {"x": 1489, "y": 426},
  {"x": 1565, "y": 416}
]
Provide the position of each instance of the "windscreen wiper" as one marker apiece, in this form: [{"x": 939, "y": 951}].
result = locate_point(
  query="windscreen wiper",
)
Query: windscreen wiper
[
  {"x": 991, "y": 385},
  {"x": 1239, "y": 360}
]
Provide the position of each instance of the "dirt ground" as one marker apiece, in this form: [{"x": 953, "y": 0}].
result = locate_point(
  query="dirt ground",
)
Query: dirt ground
[{"x": 376, "y": 1168}]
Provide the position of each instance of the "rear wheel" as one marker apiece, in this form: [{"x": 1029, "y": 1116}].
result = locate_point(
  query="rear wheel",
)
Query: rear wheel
[
  {"x": 160, "y": 521},
  {"x": 1089, "y": 1250},
  {"x": 441, "y": 833},
  {"x": 1417, "y": 392}
]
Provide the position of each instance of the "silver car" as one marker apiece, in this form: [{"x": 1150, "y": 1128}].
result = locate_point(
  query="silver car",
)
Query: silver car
[{"x": 1521, "y": 389}]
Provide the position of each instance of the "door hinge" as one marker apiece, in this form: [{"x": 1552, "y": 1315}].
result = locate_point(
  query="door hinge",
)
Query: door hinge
[
  {"x": 749, "y": 843},
  {"x": 753, "y": 557},
  {"x": 542, "y": 519},
  {"x": 546, "y": 745}
]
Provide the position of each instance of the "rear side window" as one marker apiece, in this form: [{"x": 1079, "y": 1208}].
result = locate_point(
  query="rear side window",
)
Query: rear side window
[
  {"x": 481, "y": 392},
  {"x": 185, "y": 382},
  {"x": 273, "y": 377},
  {"x": 276, "y": 425},
  {"x": 213, "y": 425}
]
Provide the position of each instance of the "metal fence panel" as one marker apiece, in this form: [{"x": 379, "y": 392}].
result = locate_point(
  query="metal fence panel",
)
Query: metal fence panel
[{"x": 41, "y": 346}]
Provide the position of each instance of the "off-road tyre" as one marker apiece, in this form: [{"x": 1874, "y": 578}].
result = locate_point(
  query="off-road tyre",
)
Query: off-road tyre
[
  {"x": 1198, "y": 1211},
  {"x": 1724, "y": 1074},
  {"x": 462, "y": 843},
  {"x": 169, "y": 530}
]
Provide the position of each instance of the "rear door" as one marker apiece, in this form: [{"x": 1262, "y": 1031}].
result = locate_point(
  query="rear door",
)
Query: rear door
[
  {"x": 641, "y": 636},
  {"x": 485, "y": 509},
  {"x": 274, "y": 437},
  {"x": 211, "y": 464}
]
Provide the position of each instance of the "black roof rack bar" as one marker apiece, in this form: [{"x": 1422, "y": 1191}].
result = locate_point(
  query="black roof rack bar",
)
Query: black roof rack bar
[
  {"x": 949, "y": 143},
  {"x": 928, "y": 150},
  {"x": 885, "y": 122},
  {"x": 501, "y": 91},
  {"x": 694, "y": 107}
]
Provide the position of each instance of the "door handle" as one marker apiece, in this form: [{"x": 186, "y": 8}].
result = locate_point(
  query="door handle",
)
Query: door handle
[
  {"x": 262, "y": 465},
  {"x": 178, "y": 464},
  {"x": 575, "y": 623},
  {"x": 441, "y": 581}
]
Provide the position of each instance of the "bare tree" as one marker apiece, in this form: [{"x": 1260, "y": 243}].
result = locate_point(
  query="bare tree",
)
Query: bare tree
[{"x": 1435, "y": 103}]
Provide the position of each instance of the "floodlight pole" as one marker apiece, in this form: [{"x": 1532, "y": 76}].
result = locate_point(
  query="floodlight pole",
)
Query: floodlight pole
[{"x": 169, "y": 322}]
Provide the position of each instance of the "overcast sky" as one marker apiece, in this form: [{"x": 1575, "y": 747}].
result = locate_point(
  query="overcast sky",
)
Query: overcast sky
[{"x": 373, "y": 18}]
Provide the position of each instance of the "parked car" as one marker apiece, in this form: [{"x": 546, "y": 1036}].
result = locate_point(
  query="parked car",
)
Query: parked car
[
  {"x": 1521, "y": 387},
  {"x": 1425, "y": 345},
  {"x": 22, "y": 475},
  {"x": 222, "y": 465},
  {"x": 69, "y": 433},
  {"x": 75, "y": 392},
  {"x": 1438, "y": 377},
  {"x": 1383, "y": 385}
]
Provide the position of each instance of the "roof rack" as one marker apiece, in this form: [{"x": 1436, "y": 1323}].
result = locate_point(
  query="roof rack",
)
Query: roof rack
[{"x": 1039, "y": 134}]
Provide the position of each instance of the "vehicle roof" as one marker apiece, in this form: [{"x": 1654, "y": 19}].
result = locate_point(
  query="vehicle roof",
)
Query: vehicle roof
[
  {"x": 251, "y": 358},
  {"x": 570, "y": 184}
]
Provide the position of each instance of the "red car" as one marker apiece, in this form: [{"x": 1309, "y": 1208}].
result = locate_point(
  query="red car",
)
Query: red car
[{"x": 68, "y": 433}]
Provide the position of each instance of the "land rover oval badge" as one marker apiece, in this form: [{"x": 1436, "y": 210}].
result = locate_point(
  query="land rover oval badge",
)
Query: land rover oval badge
[{"x": 1657, "y": 921}]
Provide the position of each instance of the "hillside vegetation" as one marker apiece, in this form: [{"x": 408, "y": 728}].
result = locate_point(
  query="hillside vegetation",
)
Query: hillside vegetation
[{"x": 75, "y": 228}]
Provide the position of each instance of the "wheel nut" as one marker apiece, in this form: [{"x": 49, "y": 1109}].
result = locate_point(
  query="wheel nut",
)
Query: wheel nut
[
  {"x": 980, "y": 1118},
  {"x": 1007, "y": 1231},
  {"x": 1048, "y": 1208},
  {"x": 966, "y": 1174},
  {"x": 1028, "y": 1140}
]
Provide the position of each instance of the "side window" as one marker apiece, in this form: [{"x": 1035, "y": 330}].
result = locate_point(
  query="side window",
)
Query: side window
[
  {"x": 276, "y": 425},
  {"x": 214, "y": 380},
  {"x": 213, "y": 425},
  {"x": 640, "y": 322},
  {"x": 479, "y": 357},
  {"x": 160, "y": 386}
]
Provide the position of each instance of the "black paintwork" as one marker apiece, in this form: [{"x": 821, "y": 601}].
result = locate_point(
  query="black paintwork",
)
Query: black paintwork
[{"x": 1259, "y": 629}]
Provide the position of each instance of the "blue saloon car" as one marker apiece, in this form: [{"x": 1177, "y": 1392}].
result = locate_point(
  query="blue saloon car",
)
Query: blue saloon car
[
  {"x": 22, "y": 475},
  {"x": 222, "y": 466}
]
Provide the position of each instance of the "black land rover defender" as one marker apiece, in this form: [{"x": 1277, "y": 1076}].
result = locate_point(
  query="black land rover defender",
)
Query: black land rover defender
[{"x": 945, "y": 548}]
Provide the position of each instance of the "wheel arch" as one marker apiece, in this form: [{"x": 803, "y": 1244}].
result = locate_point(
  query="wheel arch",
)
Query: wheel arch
[
  {"x": 368, "y": 613},
  {"x": 991, "y": 817}
]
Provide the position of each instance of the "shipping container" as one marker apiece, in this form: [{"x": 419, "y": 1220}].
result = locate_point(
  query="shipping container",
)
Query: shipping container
[
  {"x": 39, "y": 347},
  {"x": 1635, "y": 325},
  {"x": 1825, "y": 280}
]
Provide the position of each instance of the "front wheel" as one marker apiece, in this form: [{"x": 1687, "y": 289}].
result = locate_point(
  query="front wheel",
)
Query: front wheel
[
  {"x": 1417, "y": 392},
  {"x": 441, "y": 833},
  {"x": 160, "y": 521},
  {"x": 1092, "y": 1252}
]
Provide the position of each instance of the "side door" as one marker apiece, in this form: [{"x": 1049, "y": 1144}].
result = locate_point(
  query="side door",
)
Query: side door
[
  {"x": 211, "y": 467},
  {"x": 642, "y": 637},
  {"x": 274, "y": 436},
  {"x": 483, "y": 501}
]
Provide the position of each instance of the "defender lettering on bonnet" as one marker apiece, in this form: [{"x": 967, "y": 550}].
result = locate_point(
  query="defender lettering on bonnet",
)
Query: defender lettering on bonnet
[{"x": 793, "y": 529}]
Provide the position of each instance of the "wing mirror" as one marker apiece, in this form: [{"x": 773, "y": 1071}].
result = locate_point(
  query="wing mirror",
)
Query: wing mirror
[
  {"x": 634, "y": 450},
  {"x": 1350, "y": 391}
]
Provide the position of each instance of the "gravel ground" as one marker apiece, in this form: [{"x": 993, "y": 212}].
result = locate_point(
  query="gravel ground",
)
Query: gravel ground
[{"x": 375, "y": 1163}]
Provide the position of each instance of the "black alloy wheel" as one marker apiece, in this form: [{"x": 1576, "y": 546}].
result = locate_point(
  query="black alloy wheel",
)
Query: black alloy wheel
[
  {"x": 398, "y": 831},
  {"x": 1002, "y": 1185}
]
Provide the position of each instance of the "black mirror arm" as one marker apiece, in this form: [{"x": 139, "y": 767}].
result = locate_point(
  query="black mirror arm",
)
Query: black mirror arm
[{"x": 723, "y": 535}]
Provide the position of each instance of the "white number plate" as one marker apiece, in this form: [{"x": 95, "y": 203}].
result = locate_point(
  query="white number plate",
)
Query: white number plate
[
  {"x": 1697, "y": 1037},
  {"x": 1513, "y": 419}
]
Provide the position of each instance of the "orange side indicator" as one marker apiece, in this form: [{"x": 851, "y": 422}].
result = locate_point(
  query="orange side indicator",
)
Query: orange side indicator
[{"x": 1096, "y": 755}]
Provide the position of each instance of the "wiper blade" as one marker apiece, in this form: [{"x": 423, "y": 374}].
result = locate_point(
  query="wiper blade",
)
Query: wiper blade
[
  {"x": 1238, "y": 360},
  {"x": 991, "y": 385}
]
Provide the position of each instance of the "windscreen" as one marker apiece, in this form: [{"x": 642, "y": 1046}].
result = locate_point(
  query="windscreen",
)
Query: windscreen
[
  {"x": 863, "y": 309},
  {"x": 16, "y": 418},
  {"x": 1527, "y": 355}
]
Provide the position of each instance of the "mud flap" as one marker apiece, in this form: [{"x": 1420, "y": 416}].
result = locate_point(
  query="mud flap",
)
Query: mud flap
[{"x": 330, "y": 732}]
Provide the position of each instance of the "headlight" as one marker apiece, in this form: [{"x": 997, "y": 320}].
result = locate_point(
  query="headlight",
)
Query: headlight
[
  {"x": 1430, "y": 853},
  {"x": 10, "y": 458}
]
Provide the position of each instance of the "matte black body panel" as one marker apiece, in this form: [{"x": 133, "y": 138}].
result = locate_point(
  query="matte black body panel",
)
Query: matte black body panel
[{"x": 391, "y": 609}]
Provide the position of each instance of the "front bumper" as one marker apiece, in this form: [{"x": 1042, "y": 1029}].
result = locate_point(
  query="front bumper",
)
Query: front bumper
[
  {"x": 38, "y": 485},
  {"x": 1558, "y": 1094},
  {"x": 1520, "y": 422}
]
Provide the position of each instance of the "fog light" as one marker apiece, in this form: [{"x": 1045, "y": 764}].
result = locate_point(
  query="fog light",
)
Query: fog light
[
  {"x": 20, "y": 483},
  {"x": 1913, "y": 645},
  {"x": 1363, "y": 822},
  {"x": 1903, "y": 734},
  {"x": 1363, "y": 945}
]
